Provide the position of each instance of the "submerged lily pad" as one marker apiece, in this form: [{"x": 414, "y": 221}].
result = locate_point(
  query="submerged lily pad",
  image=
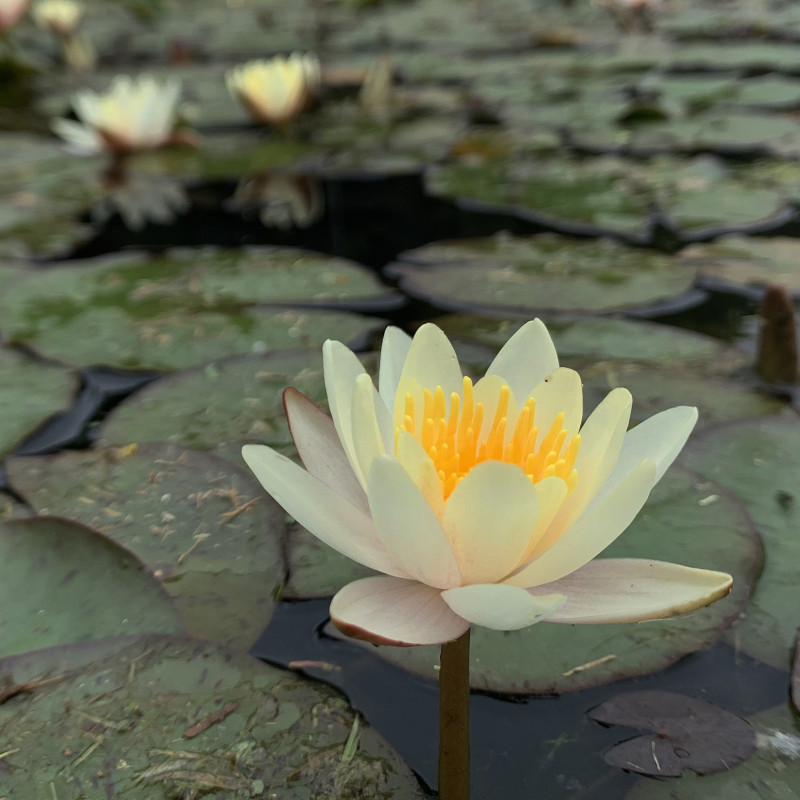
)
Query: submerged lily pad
[
  {"x": 62, "y": 582},
  {"x": 164, "y": 713},
  {"x": 773, "y": 773},
  {"x": 546, "y": 272},
  {"x": 30, "y": 393},
  {"x": 187, "y": 307},
  {"x": 201, "y": 526},
  {"x": 747, "y": 264},
  {"x": 543, "y": 659},
  {"x": 758, "y": 461},
  {"x": 236, "y": 400}
]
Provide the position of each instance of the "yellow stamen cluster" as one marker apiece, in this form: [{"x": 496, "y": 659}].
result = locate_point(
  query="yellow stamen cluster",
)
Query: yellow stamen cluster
[{"x": 454, "y": 442}]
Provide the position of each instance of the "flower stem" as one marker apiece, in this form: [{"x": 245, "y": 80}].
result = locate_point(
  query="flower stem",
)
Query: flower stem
[{"x": 454, "y": 720}]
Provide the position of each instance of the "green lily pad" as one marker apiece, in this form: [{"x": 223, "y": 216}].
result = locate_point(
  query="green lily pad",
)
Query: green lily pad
[
  {"x": 147, "y": 717},
  {"x": 201, "y": 526},
  {"x": 743, "y": 263},
  {"x": 187, "y": 307},
  {"x": 773, "y": 773},
  {"x": 38, "y": 181},
  {"x": 546, "y": 272},
  {"x": 757, "y": 460},
  {"x": 542, "y": 659},
  {"x": 62, "y": 582},
  {"x": 236, "y": 400},
  {"x": 30, "y": 393}
]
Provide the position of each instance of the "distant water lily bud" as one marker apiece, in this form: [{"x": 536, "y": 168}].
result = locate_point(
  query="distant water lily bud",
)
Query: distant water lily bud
[
  {"x": 11, "y": 11},
  {"x": 59, "y": 16},
  {"x": 274, "y": 91},
  {"x": 482, "y": 504},
  {"x": 134, "y": 114}
]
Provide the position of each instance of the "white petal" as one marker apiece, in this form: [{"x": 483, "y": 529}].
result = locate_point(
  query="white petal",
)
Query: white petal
[
  {"x": 526, "y": 359},
  {"x": 342, "y": 367},
  {"x": 432, "y": 362},
  {"x": 80, "y": 138},
  {"x": 320, "y": 450},
  {"x": 634, "y": 590},
  {"x": 394, "y": 351},
  {"x": 659, "y": 438},
  {"x": 324, "y": 512},
  {"x": 395, "y": 612},
  {"x": 368, "y": 441},
  {"x": 601, "y": 439},
  {"x": 417, "y": 463},
  {"x": 592, "y": 533},
  {"x": 499, "y": 606},
  {"x": 559, "y": 391},
  {"x": 489, "y": 519},
  {"x": 408, "y": 527},
  {"x": 550, "y": 495}
]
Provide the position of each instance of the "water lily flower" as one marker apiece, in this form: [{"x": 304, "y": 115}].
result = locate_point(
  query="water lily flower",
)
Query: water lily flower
[
  {"x": 134, "y": 114},
  {"x": 58, "y": 16},
  {"x": 274, "y": 91},
  {"x": 11, "y": 11},
  {"x": 482, "y": 504}
]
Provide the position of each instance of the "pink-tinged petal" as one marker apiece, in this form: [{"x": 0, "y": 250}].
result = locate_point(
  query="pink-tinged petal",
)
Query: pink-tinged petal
[
  {"x": 325, "y": 513},
  {"x": 501, "y": 607},
  {"x": 550, "y": 495},
  {"x": 601, "y": 439},
  {"x": 432, "y": 362},
  {"x": 659, "y": 438},
  {"x": 489, "y": 519},
  {"x": 408, "y": 527},
  {"x": 368, "y": 441},
  {"x": 602, "y": 523},
  {"x": 487, "y": 392},
  {"x": 561, "y": 391},
  {"x": 394, "y": 351},
  {"x": 526, "y": 359},
  {"x": 417, "y": 463},
  {"x": 320, "y": 450},
  {"x": 342, "y": 367},
  {"x": 395, "y": 612},
  {"x": 634, "y": 590}
]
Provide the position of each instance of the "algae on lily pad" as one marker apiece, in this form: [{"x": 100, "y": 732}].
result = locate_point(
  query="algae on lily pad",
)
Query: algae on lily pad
[
  {"x": 188, "y": 307},
  {"x": 759, "y": 462},
  {"x": 164, "y": 713},
  {"x": 747, "y": 264},
  {"x": 543, "y": 658},
  {"x": 62, "y": 582},
  {"x": 545, "y": 272},
  {"x": 30, "y": 393},
  {"x": 203, "y": 527}
]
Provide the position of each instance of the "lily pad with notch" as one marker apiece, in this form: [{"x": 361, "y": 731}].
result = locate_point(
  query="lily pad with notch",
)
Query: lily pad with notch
[
  {"x": 687, "y": 734},
  {"x": 543, "y": 273},
  {"x": 203, "y": 527},
  {"x": 165, "y": 712},
  {"x": 62, "y": 582}
]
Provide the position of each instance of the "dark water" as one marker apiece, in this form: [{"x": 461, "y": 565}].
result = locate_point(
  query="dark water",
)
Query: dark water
[{"x": 541, "y": 747}]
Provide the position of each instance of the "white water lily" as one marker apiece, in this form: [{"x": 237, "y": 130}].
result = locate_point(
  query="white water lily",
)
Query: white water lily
[
  {"x": 482, "y": 504},
  {"x": 274, "y": 91},
  {"x": 11, "y": 11},
  {"x": 134, "y": 114},
  {"x": 59, "y": 16}
]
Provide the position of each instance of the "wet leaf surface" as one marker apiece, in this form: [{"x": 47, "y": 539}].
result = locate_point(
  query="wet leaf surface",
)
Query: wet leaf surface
[
  {"x": 758, "y": 461},
  {"x": 63, "y": 582},
  {"x": 202, "y": 527},
  {"x": 688, "y": 734},
  {"x": 146, "y": 717}
]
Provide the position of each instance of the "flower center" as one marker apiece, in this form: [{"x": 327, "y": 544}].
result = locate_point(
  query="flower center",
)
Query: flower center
[{"x": 455, "y": 442}]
